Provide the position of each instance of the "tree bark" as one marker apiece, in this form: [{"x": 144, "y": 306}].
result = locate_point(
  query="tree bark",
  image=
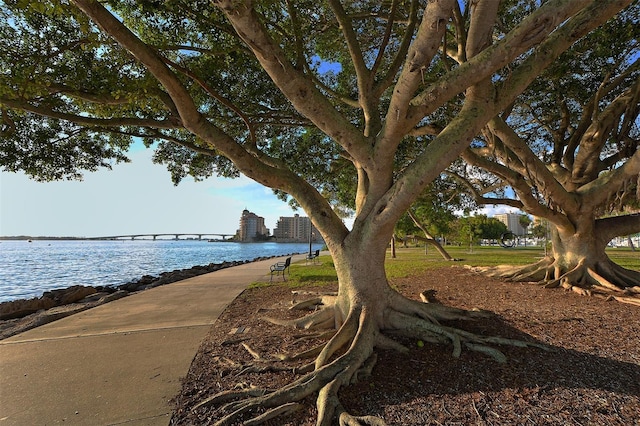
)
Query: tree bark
[{"x": 579, "y": 263}]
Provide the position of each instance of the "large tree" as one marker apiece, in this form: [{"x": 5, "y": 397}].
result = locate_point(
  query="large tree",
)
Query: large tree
[
  {"x": 571, "y": 156},
  {"x": 291, "y": 94}
]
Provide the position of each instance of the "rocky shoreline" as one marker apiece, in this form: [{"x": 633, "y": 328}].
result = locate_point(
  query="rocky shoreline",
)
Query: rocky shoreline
[{"x": 20, "y": 315}]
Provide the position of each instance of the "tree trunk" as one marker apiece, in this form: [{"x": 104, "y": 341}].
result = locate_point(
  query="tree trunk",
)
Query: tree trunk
[
  {"x": 393, "y": 247},
  {"x": 578, "y": 263},
  {"x": 570, "y": 249},
  {"x": 366, "y": 314},
  {"x": 362, "y": 278},
  {"x": 430, "y": 240},
  {"x": 428, "y": 237},
  {"x": 445, "y": 254}
]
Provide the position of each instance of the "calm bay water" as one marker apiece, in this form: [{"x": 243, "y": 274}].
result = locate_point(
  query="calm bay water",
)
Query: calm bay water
[{"x": 27, "y": 269}]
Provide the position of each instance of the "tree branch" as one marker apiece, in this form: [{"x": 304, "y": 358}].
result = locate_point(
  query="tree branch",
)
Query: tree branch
[
  {"x": 587, "y": 163},
  {"x": 428, "y": 129},
  {"x": 146, "y": 55},
  {"x": 483, "y": 17},
  {"x": 616, "y": 226},
  {"x": 249, "y": 164},
  {"x": 300, "y": 91},
  {"x": 421, "y": 52},
  {"x": 440, "y": 152},
  {"x": 367, "y": 98},
  {"x": 385, "y": 42},
  {"x": 534, "y": 30},
  {"x": 82, "y": 120},
  {"x": 301, "y": 62},
  {"x": 481, "y": 199},
  {"x": 596, "y": 192},
  {"x": 568, "y": 158},
  {"x": 387, "y": 80},
  {"x": 340, "y": 97},
  {"x": 531, "y": 32},
  {"x": 215, "y": 95},
  {"x": 103, "y": 98},
  {"x": 461, "y": 37},
  {"x": 585, "y": 17},
  {"x": 521, "y": 188},
  {"x": 536, "y": 170}
]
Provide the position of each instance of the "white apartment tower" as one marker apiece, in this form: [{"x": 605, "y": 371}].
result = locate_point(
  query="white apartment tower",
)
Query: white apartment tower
[
  {"x": 252, "y": 227},
  {"x": 512, "y": 221},
  {"x": 296, "y": 229}
]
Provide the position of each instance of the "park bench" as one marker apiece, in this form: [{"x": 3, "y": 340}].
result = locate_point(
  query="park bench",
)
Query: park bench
[
  {"x": 279, "y": 267},
  {"x": 313, "y": 256}
]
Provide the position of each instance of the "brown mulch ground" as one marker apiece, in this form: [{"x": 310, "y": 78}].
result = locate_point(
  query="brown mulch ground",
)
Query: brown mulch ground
[{"x": 590, "y": 375}]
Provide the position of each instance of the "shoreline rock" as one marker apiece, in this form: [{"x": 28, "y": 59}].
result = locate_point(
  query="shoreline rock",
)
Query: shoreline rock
[{"x": 17, "y": 316}]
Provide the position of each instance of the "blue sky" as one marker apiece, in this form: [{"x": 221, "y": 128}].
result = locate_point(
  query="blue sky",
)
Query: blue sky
[{"x": 137, "y": 197}]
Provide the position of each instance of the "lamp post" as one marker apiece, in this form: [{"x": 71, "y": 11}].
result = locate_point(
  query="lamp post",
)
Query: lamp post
[{"x": 310, "y": 236}]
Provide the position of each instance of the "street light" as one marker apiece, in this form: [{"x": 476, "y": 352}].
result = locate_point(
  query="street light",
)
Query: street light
[{"x": 310, "y": 236}]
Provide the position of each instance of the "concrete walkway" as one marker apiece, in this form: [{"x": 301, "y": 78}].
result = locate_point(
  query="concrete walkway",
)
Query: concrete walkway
[{"x": 119, "y": 363}]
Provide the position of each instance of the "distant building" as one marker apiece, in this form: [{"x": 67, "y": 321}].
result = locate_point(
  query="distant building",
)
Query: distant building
[
  {"x": 252, "y": 227},
  {"x": 512, "y": 221},
  {"x": 296, "y": 229}
]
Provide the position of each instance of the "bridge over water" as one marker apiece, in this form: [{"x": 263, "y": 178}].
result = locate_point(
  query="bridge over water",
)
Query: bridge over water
[{"x": 176, "y": 236}]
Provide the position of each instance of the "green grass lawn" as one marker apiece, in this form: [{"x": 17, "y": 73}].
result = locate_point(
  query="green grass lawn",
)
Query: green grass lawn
[{"x": 413, "y": 260}]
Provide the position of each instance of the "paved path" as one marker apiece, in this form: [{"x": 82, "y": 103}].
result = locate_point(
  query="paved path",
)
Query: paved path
[{"x": 119, "y": 363}]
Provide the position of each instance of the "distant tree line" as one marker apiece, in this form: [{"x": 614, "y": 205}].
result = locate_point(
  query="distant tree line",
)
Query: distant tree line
[{"x": 461, "y": 230}]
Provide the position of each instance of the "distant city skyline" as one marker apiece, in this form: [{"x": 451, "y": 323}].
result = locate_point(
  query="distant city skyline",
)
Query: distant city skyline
[{"x": 136, "y": 197}]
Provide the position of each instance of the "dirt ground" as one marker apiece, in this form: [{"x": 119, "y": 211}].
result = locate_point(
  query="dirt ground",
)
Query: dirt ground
[{"x": 590, "y": 374}]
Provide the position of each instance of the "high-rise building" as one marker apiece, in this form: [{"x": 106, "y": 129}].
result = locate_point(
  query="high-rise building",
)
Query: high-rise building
[
  {"x": 512, "y": 221},
  {"x": 252, "y": 227},
  {"x": 296, "y": 229}
]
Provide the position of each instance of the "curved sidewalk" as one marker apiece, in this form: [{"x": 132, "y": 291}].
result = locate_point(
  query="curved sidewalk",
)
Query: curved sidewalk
[{"x": 119, "y": 363}]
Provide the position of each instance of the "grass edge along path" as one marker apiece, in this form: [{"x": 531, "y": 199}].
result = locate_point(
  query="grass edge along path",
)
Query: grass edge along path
[{"x": 413, "y": 261}]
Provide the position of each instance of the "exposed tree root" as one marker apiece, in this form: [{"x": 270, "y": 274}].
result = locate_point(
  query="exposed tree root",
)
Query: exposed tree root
[
  {"x": 601, "y": 278},
  {"x": 274, "y": 412},
  {"x": 226, "y": 396},
  {"x": 253, "y": 353},
  {"x": 348, "y": 356},
  {"x": 630, "y": 300},
  {"x": 310, "y": 353},
  {"x": 320, "y": 319},
  {"x": 314, "y": 303}
]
